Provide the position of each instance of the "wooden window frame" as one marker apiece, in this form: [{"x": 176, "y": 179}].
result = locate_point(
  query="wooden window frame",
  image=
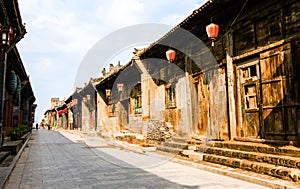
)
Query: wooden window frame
[
  {"x": 136, "y": 100},
  {"x": 247, "y": 97}
]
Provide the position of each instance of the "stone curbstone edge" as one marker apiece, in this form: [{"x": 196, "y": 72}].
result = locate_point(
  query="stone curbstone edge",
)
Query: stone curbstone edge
[{"x": 10, "y": 168}]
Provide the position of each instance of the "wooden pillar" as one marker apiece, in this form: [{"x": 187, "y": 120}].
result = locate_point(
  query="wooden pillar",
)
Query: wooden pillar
[
  {"x": 230, "y": 87},
  {"x": 146, "y": 84},
  {"x": 3, "y": 57}
]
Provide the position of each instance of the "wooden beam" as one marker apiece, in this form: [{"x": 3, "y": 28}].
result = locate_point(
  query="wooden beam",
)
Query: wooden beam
[{"x": 267, "y": 47}]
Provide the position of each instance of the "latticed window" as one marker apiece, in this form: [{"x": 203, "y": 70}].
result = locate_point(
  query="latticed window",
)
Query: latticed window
[
  {"x": 170, "y": 96},
  {"x": 250, "y": 73},
  {"x": 110, "y": 109},
  {"x": 137, "y": 104},
  {"x": 250, "y": 97}
]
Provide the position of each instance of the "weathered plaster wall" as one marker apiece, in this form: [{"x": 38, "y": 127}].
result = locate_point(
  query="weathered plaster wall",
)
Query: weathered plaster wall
[
  {"x": 106, "y": 123},
  {"x": 85, "y": 118},
  {"x": 212, "y": 101}
]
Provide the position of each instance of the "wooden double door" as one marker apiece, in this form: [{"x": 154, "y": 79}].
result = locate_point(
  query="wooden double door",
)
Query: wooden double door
[{"x": 267, "y": 90}]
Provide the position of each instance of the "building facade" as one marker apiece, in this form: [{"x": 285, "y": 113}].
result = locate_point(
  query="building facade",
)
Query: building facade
[
  {"x": 245, "y": 86},
  {"x": 16, "y": 94},
  {"x": 251, "y": 90}
]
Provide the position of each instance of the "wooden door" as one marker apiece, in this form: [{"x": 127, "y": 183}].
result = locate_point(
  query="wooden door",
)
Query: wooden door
[
  {"x": 249, "y": 99},
  {"x": 267, "y": 96},
  {"x": 277, "y": 93}
]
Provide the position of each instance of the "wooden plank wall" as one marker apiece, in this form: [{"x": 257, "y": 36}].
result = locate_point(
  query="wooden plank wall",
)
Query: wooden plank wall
[{"x": 260, "y": 27}]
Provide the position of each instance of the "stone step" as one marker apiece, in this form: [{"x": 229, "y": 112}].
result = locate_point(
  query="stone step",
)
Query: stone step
[
  {"x": 195, "y": 142},
  {"x": 178, "y": 145},
  {"x": 12, "y": 146},
  {"x": 169, "y": 150},
  {"x": 258, "y": 167},
  {"x": 3, "y": 156},
  {"x": 180, "y": 139},
  {"x": 258, "y": 147},
  {"x": 282, "y": 160}
]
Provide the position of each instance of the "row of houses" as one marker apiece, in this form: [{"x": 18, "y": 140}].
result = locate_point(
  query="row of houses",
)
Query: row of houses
[
  {"x": 244, "y": 86},
  {"x": 16, "y": 95}
]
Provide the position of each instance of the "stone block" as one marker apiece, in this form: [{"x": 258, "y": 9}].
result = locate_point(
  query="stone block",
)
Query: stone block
[{"x": 12, "y": 146}]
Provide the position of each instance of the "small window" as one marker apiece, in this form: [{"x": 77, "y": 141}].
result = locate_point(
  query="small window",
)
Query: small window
[
  {"x": 108, "y": 96},
  {"x": 249, "y": 73},
  {"x": 253, "y": 71},
  {"x": 250, "y": 97},
  {"x": 110, "y": 109},
  {"x": 170, "y": 96},
  {"x": 137, "y": 104},
  {"x": 136, "y": 99}
]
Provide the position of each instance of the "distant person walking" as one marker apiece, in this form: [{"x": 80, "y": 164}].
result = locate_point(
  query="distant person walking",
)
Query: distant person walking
[{"x": 36, "y": 126}]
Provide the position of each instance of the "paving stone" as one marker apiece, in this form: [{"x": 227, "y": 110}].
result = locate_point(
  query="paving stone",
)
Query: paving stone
[{"x": 54, "y": 161}]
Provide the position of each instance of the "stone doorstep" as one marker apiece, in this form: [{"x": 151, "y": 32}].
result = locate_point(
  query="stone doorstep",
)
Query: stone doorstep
[
  {"x": 285, "y": 173},
  {"x": 285, "y": 161},
  {"x": 175, "y": 145},
  {"x": 194, "y": 156},
  {"x": 195, "y": 142},
  {"x": 149, "y": 149},
  {"x": 179, "y": 139},
  {"x": 169, "y": 149},
  {"x": 12, "y": 146},
  {"x": 258, "y": 147},
  {"x": 263, "y": 141}
]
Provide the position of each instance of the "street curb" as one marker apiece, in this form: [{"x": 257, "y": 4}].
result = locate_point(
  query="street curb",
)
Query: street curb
[
  {"x": 262, "y": 182},
  {"x": 8, "y": 170}
]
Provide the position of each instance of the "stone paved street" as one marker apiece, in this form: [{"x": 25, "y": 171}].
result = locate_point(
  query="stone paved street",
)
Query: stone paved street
[{"x": 52, "y": 160}]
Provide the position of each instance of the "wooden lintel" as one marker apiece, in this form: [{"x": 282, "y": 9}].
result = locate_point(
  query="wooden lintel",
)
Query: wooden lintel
[
  {"x": 267, "y": 47},
  {"x": 278, "y": 43}
]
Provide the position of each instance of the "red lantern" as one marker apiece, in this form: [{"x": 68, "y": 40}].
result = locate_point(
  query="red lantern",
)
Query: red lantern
[
  {"x": 170, "y": 55},
  {"x": 212, "y": 31}
]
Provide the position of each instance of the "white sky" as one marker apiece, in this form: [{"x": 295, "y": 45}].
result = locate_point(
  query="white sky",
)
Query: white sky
[{"x": 60, "y": 32}]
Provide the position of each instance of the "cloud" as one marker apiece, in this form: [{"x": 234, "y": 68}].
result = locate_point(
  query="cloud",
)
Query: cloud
[{"x": 117, "y": 14}]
